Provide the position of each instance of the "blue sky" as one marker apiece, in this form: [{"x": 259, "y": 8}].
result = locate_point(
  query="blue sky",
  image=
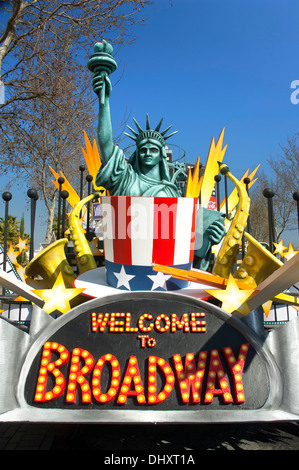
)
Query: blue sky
[
  {"x": 208, "y": 64},
  {"x": 205, "y": 65}
]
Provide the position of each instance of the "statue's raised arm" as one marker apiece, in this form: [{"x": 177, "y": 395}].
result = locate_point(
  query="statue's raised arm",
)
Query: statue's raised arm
[
  {"x": 102, "y": 64},
  {"x": 146, "y": 173}
]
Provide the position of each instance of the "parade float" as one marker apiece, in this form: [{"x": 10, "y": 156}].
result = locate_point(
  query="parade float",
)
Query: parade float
[{"x": 163, "y": 322}]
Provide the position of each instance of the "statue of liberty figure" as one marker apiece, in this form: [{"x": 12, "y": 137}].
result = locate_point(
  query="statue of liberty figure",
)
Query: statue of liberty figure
[{"x": 146, "y": 173}]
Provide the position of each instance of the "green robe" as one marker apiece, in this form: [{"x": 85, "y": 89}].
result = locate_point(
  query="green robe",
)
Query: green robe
[{"x": 120, "y": 178}]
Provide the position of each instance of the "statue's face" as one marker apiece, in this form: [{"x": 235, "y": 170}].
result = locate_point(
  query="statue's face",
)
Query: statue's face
[{"x": 149, "y": 155}]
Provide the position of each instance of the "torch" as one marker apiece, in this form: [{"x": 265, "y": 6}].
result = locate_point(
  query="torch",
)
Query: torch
[{"x": 102, "y": 61}]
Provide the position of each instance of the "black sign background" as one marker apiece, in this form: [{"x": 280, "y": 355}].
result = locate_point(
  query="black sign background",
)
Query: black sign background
[{"x": 77, "y": 332}]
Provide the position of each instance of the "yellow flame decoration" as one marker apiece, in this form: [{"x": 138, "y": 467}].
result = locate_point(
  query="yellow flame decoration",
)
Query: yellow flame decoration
[
  {"x": 204, "y": 185},
  {"x": 92, "y": 159},
  {"x": 93, "y": 163},
  {"x": 194, "y": 181},
  {"x": 216, "y": 154},
  {"x": 73, "y": 198}
]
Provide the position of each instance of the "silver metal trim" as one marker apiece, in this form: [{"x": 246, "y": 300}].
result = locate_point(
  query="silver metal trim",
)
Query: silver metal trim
[{"x": 269, "y": 412}]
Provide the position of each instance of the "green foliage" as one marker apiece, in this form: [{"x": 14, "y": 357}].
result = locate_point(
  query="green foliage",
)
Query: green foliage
[{"x": 15, "y": 231}]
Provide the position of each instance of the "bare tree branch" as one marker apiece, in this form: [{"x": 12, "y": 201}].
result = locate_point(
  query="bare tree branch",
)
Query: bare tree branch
[{"x": 44, "y": 50}]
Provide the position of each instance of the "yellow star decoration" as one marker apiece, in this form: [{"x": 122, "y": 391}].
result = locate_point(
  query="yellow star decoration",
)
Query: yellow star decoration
[
  {"x": 22, "y": 245},
  {"x": 52, "y": 240},
  {"x": 279, "y": 248},
  {"x": 92, "y": 159},
  {"x": 59, "y": 297},
  {"x": 232, "y": 298},
  {"x": 12, "y": 254},
  {"x": 290, "y": 253}
]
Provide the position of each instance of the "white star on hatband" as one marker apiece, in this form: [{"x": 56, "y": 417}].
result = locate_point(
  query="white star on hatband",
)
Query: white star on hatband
[
  {"x": 159, "y": 280},
  {"x": 123, "y": 279}
]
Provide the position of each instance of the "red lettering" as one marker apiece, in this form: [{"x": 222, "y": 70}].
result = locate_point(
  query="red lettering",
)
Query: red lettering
[
  {"x": 153, "y": 396},
  {"x": 166, "y": 322},
  {"x": 189, "y": 373},
  {"x": 197, "y": 326},
  {"x": 99, "y": 322},
  {"x": 179, "y": 324},
  {"x": 216, "y": 371},
  {"x": 129, "y": 328},
  {"x": 145, "y": 329},
  {"x": 132, "y": 376},
  {"x": 76, "y": 376},
  {"x": 116, "y": 326},
  {"x": 143, "y": 339},
  {"x": 115, "y": 379},
  {"x": 190, "y": 377},
  {"x": 46, "y": 367},
  {"x": 236, "y": 368},
  {"x": 151, "y": 342},
  {"x": 120, "y": 322}
]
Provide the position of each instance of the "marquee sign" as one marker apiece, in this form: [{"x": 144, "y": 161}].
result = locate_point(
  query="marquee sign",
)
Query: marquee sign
[
  {"x": 151, "y": 346},
  {"x": 143, "y": 357}
]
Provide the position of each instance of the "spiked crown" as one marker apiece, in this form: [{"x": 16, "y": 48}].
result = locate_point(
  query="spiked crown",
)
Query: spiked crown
[{"x": 149, "y": 133}]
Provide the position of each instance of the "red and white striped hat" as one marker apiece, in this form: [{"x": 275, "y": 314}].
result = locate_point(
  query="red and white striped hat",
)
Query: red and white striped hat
[{"x": 142, "y": 231}]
